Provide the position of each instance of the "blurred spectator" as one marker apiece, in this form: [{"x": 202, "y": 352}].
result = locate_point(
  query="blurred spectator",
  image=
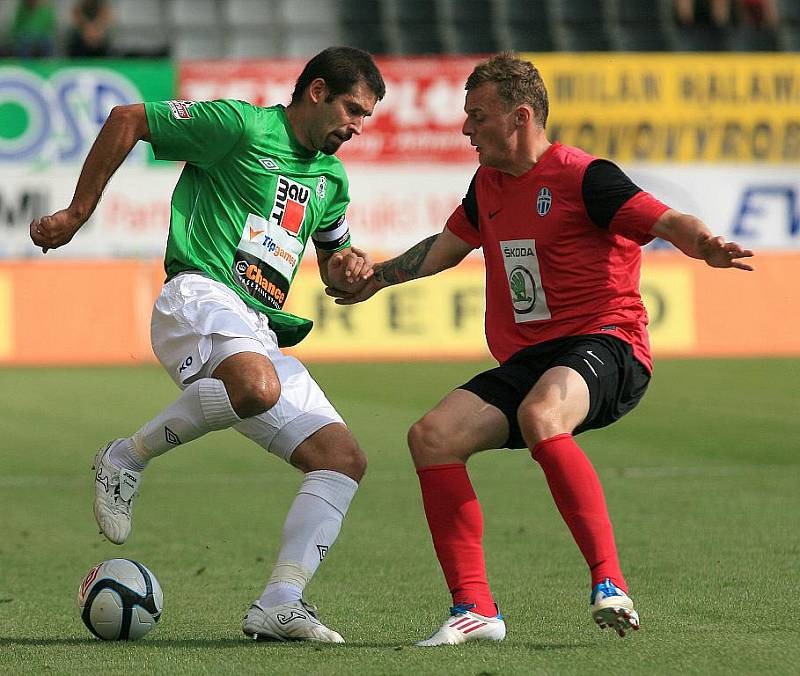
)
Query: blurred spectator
[
  {"x": 33, "y": 29},
  {"x": 91, "y": 24},
  {"x": 705, "y": 25},
  {"x": 758, "y": 13},
  {"x": 711, "y": 12}
]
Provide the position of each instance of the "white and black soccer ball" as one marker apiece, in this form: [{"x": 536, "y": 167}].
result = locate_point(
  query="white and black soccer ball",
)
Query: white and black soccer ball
[{"x": 120, "y": 600}]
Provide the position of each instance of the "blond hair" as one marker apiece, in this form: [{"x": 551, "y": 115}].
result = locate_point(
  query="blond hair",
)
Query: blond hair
[{"x": 517, "y": 81}]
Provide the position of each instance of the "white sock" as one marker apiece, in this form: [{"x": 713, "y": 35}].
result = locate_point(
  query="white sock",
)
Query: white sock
[
  {"x": 123, "y": 456},
  {"x": 203, "y": 406},
  {"x": 311, "y": 527}
]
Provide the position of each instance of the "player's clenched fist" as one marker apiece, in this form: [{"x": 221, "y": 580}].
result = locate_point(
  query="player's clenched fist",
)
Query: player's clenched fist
[{"x": 51, "y": 232}]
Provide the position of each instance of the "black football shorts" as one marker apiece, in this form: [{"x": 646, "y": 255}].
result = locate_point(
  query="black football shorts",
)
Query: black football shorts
[{"x": 616, "y": 379}]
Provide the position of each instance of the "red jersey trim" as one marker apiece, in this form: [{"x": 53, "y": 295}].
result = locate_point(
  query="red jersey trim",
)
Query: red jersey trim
[
  {"x": 461, "y": 227},
  {"x": 636, "y": 217}
]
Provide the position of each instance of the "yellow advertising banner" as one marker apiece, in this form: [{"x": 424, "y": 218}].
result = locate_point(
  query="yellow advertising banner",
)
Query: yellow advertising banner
[
  {"x": 668, "y": 295},
  {"x": 443, "y": 317},
  {"x": 676, "y": 107},
  {"x": 400, "y": 322}
]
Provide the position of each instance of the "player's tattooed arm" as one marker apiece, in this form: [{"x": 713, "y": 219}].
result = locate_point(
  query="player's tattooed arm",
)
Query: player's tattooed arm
[
  {"x": 406, "y": 266},
  {"x": 431, "y": 255}
]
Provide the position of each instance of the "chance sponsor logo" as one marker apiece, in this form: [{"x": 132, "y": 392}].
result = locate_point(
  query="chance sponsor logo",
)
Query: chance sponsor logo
[
  {"x": 289, "y": 208},
  {"x": 255, "y": 275}
]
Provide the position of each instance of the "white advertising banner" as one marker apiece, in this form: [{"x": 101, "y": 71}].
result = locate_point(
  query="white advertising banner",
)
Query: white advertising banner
[{"x": 393, "y": 205}]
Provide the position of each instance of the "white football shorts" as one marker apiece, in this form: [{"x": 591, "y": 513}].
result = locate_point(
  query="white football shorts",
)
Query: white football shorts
[{"x": 197, "y": 323}]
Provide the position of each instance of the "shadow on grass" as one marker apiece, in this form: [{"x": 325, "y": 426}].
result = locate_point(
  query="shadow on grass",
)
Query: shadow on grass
[{"x": 238, "y": 643}]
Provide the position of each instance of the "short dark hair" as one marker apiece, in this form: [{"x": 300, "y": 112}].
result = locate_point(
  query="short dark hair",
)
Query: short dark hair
[
  {"x": 341, "y": 68},
  {"x": 518, "y": 81}
]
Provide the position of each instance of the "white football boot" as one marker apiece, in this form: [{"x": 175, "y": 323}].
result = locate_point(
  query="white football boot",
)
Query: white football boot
[
  {"x": 114, "y": 491},
  {"x": 294, "y": 621},
  {"x": 464, "y": 625},
  {"x": 612, "y": 607}
]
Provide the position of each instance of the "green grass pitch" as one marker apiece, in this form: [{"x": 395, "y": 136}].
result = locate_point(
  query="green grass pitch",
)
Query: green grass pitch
[{"x": 702, "y": 480}]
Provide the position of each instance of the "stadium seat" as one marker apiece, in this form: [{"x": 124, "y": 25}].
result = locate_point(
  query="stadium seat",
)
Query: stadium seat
[
  {"x": 581, "y": 26},
  {"x": 639, "y": 26},
  {"x": 529, "y": 25},
  {"x": 363, "y": 25},
  {"x": 700, "y": 38},
  {"x": 752, "y": 39},
  {"x": 789, "y": 25},
  {"x": 253, "y": 43},
  {"x": 139, "y": 28},
  {"x": 305, "y": 41},
  {"x": 249, "y": 13},
  {"x": 473, "y": 24},
  {"x": 138, "y": 41},
  {"x": 197, "y": 43},
  {"x": 418, "y": 27},
  {"x": 310, "y": 12},
  {"x": 194, "y": 13},
  {"x": 137, "y": 13},
  {"x": 309, "y": 26}
]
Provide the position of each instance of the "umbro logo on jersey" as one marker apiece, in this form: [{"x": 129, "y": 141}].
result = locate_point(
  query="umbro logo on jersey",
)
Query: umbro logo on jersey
[
  {"x": 268, "y": 163},
  {"x": 544, "y": 201}
]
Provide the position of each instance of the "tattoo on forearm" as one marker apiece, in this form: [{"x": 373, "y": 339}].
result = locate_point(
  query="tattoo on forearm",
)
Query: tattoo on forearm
[{"x": 405, "y": 266}]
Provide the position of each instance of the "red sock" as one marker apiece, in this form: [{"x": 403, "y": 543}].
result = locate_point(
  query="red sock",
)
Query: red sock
[
  {"x": 456, "y": 523},
  {"x": 579, "y": 497}
]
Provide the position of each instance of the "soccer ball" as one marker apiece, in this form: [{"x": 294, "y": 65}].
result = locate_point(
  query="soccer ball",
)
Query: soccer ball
[{"x": 120, "y": 600}]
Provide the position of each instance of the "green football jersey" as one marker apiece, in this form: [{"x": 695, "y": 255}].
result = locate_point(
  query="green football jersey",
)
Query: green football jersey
[{"x": 247, "y": 201}]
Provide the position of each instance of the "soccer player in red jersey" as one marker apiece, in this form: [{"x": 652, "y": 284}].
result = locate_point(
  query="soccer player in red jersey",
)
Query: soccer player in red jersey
[{"x": 561, "y": 233}]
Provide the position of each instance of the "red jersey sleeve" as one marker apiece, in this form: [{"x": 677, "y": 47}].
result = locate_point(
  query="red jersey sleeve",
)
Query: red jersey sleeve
[
  {"x": 636, "y": 217},
  {"x": 460, "y": 225}
]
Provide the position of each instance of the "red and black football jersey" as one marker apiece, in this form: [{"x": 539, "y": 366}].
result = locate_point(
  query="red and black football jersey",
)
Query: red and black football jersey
[{"x": 562, "y": 250}]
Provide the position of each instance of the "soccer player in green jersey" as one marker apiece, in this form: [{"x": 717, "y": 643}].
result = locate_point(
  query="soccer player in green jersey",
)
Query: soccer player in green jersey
[{"x": 257, "y": 185}]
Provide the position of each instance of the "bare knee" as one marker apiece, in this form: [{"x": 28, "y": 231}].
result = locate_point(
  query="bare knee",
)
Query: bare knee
[
  {"x": 351, "y": 460},
  {"x": 539, "y": 421},
  {"x": 430, "y": 443},
  {"x": 333, "y": 448},
  {"x": 253, "y": 397},
  {"x": 251, "y": 382}
]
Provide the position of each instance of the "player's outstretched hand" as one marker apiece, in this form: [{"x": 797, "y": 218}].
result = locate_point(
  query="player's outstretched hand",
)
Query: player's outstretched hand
[
  {"x": 367, "y": 289},
  {"x": 51, "y": 232},
  {"x": 721, "y": 254}
]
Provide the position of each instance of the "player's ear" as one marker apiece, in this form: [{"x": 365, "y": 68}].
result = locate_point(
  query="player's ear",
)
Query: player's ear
[
  {"x": 523, "y": 115},
  {"x": 318, "y": 90}
]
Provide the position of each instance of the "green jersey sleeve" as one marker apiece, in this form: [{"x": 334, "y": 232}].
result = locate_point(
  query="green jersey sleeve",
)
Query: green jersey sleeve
[{"x": 198, "y": 132}]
